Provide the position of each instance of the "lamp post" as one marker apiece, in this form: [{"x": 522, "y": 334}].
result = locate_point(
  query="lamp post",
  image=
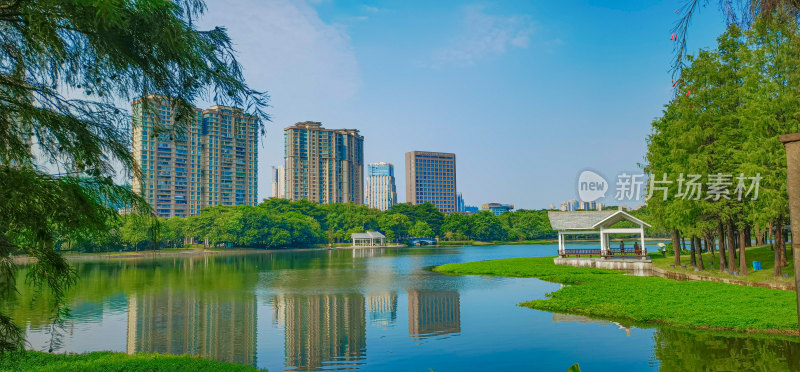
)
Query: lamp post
[{"x": 792, "y": 144}]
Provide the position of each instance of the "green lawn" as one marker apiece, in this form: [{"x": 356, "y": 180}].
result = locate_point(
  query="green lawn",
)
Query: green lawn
[
  {"x": 763, "y": 254},
  {"x": 107, "y": 361},
  {"x": 613, "y": 295}
]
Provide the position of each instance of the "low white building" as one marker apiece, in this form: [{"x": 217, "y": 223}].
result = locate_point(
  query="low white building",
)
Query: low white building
[{"x": 368, "y": 239}]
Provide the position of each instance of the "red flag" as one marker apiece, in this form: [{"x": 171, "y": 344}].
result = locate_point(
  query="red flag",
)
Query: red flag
[
  {"x": 676, "y": 11},
  {"x": 673, "y": 37},
  {"x": 687, "y": 92},
  {"x": 674, "y": 84}
]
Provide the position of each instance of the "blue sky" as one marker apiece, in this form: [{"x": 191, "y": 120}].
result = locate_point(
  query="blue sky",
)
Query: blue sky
[{"x": 527, "y": 94}]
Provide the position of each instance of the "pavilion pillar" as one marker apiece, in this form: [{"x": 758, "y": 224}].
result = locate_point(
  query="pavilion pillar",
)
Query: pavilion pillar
[
  {"x": 603, "y": 244},
  {"x": 641, "y": 237},
  {"x": 560, "y": 244}
]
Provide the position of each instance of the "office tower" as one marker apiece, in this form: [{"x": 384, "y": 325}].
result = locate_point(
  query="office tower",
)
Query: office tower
[
  {"x": 279, "y": 182},
  {"x": 431, "y": 178},
  {"x": 324, "y": 165},
  {"x": 381, "y": 190},
  {"x": 211, "y": 161},
  {"x": 460, "y": 203},
  {"x": 228, "y": 157}
]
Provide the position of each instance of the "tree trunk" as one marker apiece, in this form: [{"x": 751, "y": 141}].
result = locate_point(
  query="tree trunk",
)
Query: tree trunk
[
  {"x": 676, "y": 247},
  {"x": 721, "y": 238},
  {"x": 777, "y": 252},
  {"x": 699, "y": 247},
  {"x": 731, "y": 249},
  {"x": 711, "y": 248},
  {"x": 742, "y": 259},
  {"x": 759, "y": 236},
  {"x": 693, "y": 259},
  {"x": 784, "y": 237},
  {"x": 748, "y": 240},
  {"x": 682, "y": 240}
]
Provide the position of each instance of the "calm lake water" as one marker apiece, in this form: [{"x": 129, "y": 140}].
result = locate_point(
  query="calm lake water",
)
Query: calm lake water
[{"x": 367, "y": 309}]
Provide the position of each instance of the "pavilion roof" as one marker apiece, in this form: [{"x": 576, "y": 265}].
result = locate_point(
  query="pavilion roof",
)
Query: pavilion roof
[
  {"x": 590, "y": 220},
  {"x": 367, "y": 235}
]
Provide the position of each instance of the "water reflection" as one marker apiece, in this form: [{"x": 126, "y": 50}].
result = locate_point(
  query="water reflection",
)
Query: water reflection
[
  {"x": 322, "y": 328},
  {"x": 214, "y": 325},
  {"x": 382, "y": 308},
  {"x": 433, "y": 313},
  {"x": 326, "y": 307},
  {"x": 567, "y": 318}
]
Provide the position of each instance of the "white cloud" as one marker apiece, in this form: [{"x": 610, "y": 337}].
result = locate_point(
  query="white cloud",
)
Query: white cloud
[
  {"x": 307, "y": 66},
  {"x": 482, "y": 35},
  {"x": 286, "y": 49}
]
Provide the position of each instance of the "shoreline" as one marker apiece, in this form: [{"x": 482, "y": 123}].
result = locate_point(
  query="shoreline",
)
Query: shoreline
[
  {"x": 613, "y": 295},
  {"x": 199, "y": 252},
  {"x": 183, "y": 253}
]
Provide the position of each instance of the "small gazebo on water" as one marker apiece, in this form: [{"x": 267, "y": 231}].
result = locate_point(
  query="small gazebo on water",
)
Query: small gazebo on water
[{"x": 600, "y": 223}]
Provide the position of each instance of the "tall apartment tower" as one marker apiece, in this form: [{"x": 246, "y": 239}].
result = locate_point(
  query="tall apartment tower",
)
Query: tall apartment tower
[
  {"x": 228, "y": 157},
  {"x": 381, "y": 190},
  {"x": 324, "y": 165},
  {"x": 213, "y": 161},
  {"x": 431, "y": 178},
  {"x": 279, "y": 182}
]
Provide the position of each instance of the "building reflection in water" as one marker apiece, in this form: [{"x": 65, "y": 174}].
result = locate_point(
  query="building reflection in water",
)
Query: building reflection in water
[
  {"x": 382, "y": 308},
  {"x": 433, "y": 313},
  {"x": 566, "y": 318},
  {"x": 189, "y": 323},
  {"x": 322, "y": 329}
]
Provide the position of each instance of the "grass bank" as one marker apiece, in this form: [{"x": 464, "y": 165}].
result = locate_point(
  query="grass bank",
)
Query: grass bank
[
  {"x": 107, "y": 361},
  {"x": 763, "y": 254},
  {"x": 613, "y": 295}
]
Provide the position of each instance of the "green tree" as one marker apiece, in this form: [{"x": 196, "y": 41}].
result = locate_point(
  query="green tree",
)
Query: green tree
[
  {"x": 108, "y": 51},
  {"x": 421, "y": 229},
  {"x": 394, "y": 225},
  {"x": 487, "y": 227}
]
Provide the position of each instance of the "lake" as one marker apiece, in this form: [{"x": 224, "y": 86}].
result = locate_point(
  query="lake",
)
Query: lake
[{"x": 367, "y": 309}]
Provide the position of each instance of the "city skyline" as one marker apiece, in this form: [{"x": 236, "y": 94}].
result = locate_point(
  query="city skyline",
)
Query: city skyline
[{"x": 514, "y": 96}]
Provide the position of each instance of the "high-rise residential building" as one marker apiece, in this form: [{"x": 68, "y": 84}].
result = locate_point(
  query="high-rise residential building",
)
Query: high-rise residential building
[
  {"x": 324, "y": 165},
  {"x": 228, "y": 157},
  {"x": 381, "y": 190},
  {"x": 279, "y": 182},
  {"x": 212, "y": 161},
  {"x": 431, "y": 178}
]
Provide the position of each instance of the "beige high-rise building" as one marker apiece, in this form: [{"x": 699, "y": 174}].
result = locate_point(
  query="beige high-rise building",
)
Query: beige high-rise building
[
  {"x": 213, "y": 161},
  {"x": 324, "y": 165},
  {"x": 431, "y": 178}
]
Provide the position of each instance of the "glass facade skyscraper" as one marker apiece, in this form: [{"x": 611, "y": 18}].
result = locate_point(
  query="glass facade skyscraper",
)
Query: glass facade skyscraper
[{"x": 381, "y": 191}]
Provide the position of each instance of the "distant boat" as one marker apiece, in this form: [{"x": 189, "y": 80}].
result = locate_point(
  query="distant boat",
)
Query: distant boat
[{"x": 330, "y": 247}]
